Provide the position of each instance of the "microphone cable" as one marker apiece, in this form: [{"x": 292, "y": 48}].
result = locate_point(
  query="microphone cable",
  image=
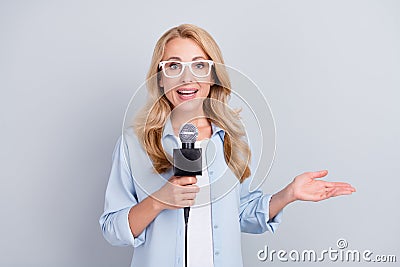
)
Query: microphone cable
[{"x": 186, "y": 211}]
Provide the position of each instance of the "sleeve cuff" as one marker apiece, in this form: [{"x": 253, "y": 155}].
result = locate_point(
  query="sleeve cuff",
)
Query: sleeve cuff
[
  {"x": 125, "y": 232},
  {"x": 273, "y": 223}
]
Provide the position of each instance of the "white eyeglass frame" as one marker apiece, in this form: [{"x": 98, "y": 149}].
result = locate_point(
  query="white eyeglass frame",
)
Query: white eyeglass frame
[{"x": 184, "y": 64}]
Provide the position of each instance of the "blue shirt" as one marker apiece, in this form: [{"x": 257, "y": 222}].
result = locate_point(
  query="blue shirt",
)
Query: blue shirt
[{"x": 234, "y": 207}]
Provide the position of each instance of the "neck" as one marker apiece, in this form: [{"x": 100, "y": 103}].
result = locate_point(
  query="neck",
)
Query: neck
[{"x": 179, "y": 118}]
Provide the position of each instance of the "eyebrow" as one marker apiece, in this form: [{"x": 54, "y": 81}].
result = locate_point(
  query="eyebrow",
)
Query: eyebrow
[{"x": 179, "y": 59}]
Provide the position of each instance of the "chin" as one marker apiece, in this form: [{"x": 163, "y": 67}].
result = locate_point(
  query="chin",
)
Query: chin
[{"x": 192, "y": 105}]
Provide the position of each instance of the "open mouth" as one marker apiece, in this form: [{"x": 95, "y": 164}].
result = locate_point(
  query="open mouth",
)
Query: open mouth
[{"x": 187, "y": 92}]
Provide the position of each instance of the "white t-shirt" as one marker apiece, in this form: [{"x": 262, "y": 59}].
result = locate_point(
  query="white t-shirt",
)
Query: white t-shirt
[{"x": 200, "y": 244}]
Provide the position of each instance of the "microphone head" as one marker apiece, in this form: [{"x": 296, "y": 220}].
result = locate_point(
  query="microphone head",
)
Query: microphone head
[{"x": 188, "y": 133}]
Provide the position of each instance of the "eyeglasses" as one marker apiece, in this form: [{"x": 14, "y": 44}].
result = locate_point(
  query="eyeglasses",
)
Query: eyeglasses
[{"x": 174, "y": 69}]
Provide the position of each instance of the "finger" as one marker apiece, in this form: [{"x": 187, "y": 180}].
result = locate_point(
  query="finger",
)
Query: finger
[
  {"x": 338, "y": 192},
  {"x": 189, "y": 196},
  {"x": 342, "y": 187},
  {"x": 185, "y": 180},
  {"x": 191, "y": 189},
  {"x": 336, "y": 184},
  {"x": 187, "y": 203},
  {"x": 318, "y": 174}
]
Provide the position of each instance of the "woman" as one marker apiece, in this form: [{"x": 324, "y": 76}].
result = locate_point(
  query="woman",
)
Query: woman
[{"x": 188, "y": 83}]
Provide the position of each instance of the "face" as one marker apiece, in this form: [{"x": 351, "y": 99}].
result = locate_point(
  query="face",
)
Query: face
[{"x": 186, "y": 91}]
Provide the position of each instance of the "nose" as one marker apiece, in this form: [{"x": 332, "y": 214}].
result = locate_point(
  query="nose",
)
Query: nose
[{"x": 187, "y": 76}]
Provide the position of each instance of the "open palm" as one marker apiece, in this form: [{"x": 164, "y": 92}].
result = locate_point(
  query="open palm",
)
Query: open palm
[{"x": 307, "y": 187}]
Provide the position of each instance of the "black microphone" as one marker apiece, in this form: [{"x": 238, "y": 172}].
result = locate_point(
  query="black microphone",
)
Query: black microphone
[{"x": 187, "y": 160}]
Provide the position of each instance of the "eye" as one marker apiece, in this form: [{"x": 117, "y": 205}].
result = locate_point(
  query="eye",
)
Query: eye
[
  {"x": 174, "y": 66},
  {"x": 199, "y": 65}
]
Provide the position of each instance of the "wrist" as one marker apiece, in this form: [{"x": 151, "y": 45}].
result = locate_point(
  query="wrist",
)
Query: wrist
[
  {"x": 156, "y": 204},
  {"x": 290, "y": 195}
]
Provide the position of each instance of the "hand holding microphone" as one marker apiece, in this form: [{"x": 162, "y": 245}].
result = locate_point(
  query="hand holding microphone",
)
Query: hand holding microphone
[{"x": 181, "y": 190}]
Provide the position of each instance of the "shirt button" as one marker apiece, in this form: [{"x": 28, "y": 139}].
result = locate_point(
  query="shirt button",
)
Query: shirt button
[
  {"x": 211, "y": 172},
  {"x": 216, "y": 253},
  {"x": 179, "y": 260},
  {"x": 215, "y": 226}
]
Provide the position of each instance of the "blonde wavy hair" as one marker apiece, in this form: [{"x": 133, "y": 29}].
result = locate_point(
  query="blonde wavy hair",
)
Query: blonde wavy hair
[{"x": 149, "y": 122}]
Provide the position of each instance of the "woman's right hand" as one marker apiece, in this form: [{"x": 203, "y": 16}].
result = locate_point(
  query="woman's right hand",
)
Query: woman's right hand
[{"x": 177, "y": 193}]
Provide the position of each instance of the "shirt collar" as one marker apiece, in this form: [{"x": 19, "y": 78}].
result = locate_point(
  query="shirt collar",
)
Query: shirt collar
[{"x": 168, "y": 130}]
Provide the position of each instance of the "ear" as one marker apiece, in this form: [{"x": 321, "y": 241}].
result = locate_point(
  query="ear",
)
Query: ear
[
  {"x": 160, "y": 80},
  {"x": 212, "y": 80}
]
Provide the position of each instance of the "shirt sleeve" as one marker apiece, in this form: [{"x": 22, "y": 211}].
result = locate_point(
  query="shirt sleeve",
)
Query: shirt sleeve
[
  {"x": 119, "y": 198},
  {"x": 254, "y": 211}
]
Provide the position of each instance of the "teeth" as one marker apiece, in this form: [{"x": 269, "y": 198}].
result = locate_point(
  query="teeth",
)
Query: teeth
[{"x": 184, "y": 92}]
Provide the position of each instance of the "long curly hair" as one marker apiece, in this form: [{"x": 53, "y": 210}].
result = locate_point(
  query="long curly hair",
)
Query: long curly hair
[{"x": 149, "y": 122}]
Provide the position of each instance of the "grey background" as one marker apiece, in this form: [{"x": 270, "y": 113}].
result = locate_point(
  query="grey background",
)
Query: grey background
[{"x": 329, "y": 69}]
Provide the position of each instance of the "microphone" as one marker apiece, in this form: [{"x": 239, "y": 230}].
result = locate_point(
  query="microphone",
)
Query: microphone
[{"x": 187, "y": 160}]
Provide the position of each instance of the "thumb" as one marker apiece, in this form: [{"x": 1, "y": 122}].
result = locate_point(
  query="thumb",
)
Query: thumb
[{"x": 318, "y": 174}]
